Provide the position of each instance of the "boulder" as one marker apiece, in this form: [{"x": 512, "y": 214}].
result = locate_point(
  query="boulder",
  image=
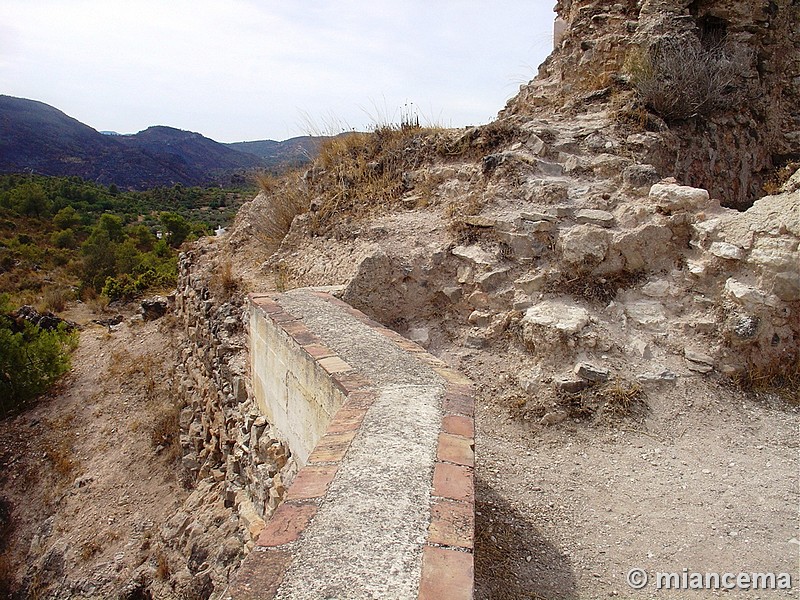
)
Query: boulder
[
  {"x": 563, "y": 316},
  {"x": 672, "y": 197},
  {"x": 584, "y": 245},
  {"x": 153, "y": 308}
]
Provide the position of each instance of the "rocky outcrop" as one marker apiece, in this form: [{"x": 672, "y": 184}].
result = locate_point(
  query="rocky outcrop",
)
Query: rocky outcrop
[{"x": 731, "y": 151}]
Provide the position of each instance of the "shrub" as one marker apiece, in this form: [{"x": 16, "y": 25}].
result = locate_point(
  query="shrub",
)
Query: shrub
[
  {"x": 680, "y": 79},
  {"x": 31, "y": 359}
]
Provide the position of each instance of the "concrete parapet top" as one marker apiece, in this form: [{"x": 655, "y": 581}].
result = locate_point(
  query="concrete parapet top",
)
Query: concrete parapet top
[{"x": 384, "y": 506}]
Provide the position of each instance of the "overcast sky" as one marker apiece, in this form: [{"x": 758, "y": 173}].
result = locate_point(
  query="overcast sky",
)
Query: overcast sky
[{"x": 246, "y": 69}]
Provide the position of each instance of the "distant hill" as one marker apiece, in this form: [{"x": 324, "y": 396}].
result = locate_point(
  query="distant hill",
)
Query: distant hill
[
  {"x": 279, "y": 156},
  {"x": 37, "y": 138}
]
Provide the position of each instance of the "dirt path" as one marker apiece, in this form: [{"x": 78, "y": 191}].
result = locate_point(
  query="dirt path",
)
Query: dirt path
[{"x": 710, "y": 484}]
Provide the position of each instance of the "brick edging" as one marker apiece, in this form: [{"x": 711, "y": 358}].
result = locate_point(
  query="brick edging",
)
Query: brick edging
[{"x": 447, "y": 563}]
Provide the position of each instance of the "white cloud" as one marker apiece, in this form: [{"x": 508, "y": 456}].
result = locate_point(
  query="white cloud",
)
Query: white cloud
[{"x": 246, "y": 69}]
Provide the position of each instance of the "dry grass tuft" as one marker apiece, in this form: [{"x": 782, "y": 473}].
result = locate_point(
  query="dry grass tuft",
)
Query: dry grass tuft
[
  {"x": 615, "y": 399},
  {"x": 779, "y": 379},
  {"x": 284, "y": 199},
  {"x": 782, "y": 174},
  {"x": 594, "y": 288},
  {"x": 680, "y": 79}
]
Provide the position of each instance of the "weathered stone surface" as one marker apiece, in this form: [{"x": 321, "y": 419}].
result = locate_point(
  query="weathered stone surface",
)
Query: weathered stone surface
[
  {"x": 478, "y": 299},
  {"x": 570, "y": 384},
  {"x": 787, "y": 286},
  {"x": 698, "y": 357},
  {"x": 646, "y": 312},
  {"x": 420, "y": 335},
  {"x": 726, "y": 251},
  {"x": 474, "y": 254},
  {"x": 584, "y": 245},
  {"x": 561, "y": 315},
  {"x": 656, "y": 289},
  {"x": 480, "y": 318},
  {"x": 603, "y": 218},
  {"x": 590, "y": 372},
  {"x": 671, "y": 197},
  {"x": 490, "y": 281}
]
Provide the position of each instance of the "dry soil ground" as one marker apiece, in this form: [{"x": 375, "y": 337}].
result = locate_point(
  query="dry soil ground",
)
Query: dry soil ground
[
  {"x": 708, "y": 481},
  {"x": 81, "y": 472}
]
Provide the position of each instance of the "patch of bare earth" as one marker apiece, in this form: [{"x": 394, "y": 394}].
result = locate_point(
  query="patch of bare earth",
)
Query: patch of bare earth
[
  {"x": 707, "y": 481},
  {"x": 88, "y": 473}
]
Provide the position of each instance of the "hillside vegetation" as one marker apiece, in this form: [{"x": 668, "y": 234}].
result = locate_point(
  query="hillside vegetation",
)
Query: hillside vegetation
[{"x": 65, "y": 238}]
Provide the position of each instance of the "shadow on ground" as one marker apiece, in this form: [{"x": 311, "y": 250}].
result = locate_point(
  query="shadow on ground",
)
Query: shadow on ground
[{"x": 503, "y": 543}]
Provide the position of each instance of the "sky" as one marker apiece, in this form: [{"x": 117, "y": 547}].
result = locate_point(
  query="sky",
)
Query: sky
[{"x": 238, "y": 70}]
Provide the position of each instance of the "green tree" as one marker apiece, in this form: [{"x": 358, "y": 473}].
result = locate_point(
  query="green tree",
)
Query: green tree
[
  {"x": 177, "y": 228},
  {"x": 30, "y": 199},
  {"x": 67, "y": 218},
  {"x": 99, "y": 258},
  {"x": 31, "y": 359},
  {"x": 111, "y": 224}
]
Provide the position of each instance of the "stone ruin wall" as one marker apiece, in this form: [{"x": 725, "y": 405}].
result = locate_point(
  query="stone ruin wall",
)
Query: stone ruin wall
[
  {"x": 236, "y": 463},
  {"x": 732, "y": 153}
]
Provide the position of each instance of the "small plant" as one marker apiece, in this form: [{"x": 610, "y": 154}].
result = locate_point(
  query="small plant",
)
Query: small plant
[
  {"x": 617, "y": 399},
  {"x": 31, "y": 358},
  {"x": 680, "y": 79}
]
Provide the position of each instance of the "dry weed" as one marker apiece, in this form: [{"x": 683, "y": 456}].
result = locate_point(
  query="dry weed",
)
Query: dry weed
[
  {"x": 593, "y": 288},
  {"x": 616, "y": 399},
  {"x": 780, "y": 379},
  {"x": 284, "y": 199}
]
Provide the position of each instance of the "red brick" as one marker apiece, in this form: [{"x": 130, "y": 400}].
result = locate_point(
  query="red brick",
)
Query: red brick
[
  {"x": 458, "y": 425},
  {"x": 332, "y": 447},
  {"x": 446, "y": 574},
  {"x": 452, "y": 524},
  {"x": 334, "y": 364},
  {"x": 347, "y": 419},
  {"x": 454, "y": 482},
  {"x": 312, "y": 481},
  {"x": 318, "y": 351},
  {"x": 267, "y": 304},
  {"x": 300, "y": 333},
  {"x": 350, "y": 382},
  {"x": 456, "y": 449},
  {"x": 283, "y": 317},
  {"x": 287, "y": 523},
  {"x": 260, "y": 575},
  {"x": 361, "y": 399},
  {"x": 459, "y": 403}
]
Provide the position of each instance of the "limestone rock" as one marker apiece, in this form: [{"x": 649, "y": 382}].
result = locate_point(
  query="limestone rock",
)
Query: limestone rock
[
  {"x": 646, "y": 312},
  {"x": 602, "y": 218},
  {"x": 726, "y": 250},
  {"x": 590, "y": 372},
  {"x": 584, "y": 245},
  {"x": 474, "y": 254},
  {"x": 420, "y": 335},
  {"x": 671, "y": 197},
  {"x": 561, "y": 315},
  {"x": 480, "y": 318},
  {"x": 787, "y": 286},
  {"x": 493, "y": 279}
]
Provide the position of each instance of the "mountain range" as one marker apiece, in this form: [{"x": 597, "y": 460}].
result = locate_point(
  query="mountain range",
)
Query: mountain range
[{"x": 38, "y": 138}]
